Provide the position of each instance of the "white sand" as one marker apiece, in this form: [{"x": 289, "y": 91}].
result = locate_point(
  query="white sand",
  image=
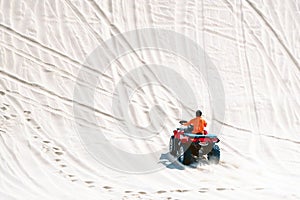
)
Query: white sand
[{"x": 255, "y": 46}]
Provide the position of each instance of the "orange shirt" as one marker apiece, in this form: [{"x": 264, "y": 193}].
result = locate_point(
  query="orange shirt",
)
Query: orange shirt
[{"x": 199, "y": 123}]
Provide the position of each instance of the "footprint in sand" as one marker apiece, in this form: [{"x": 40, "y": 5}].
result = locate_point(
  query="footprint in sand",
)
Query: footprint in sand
[
  {"x": 89, "y": 182},
  {"x": 203, "y": 190},
  {"x": 161, "y": 191},
  {"x": 27, "y": 113},
  {"x": 179, "y": 190},
  {"x": 142, "y": 192},
  {"x": 59, "y": 153},
  {"x": 107, "y": 187},
  {"x": 222, "y": 189},
  {"x": 259, "y": 188},
  {"x": 2, "y": 93}
]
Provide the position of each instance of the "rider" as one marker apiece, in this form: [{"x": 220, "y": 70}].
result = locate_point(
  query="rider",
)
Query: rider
[{"x": 199, "y": 123}]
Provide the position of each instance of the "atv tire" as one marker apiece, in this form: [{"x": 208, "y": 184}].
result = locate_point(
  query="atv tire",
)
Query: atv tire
[
  {"x": 213, "y": 156},
  {"x": 184, "y": 154},
  {"x": 172, "y": 148}
]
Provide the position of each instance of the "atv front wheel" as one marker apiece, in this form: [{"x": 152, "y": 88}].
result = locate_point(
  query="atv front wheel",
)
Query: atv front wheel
[
  {"x": 172, "y": 148},
  {"x": 214, "y": 155}
]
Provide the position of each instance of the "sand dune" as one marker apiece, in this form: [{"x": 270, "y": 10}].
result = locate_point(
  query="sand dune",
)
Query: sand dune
[{"x": 90, "y": 92}]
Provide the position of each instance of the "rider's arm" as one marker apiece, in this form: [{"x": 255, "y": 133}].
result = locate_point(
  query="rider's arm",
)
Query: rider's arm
[
  {"x": 188, "y": 123},
  {"x": 205, "y": 124}
]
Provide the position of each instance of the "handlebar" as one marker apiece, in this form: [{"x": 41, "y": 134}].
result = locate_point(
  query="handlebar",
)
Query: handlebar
[{"x": 182, "y": 122}]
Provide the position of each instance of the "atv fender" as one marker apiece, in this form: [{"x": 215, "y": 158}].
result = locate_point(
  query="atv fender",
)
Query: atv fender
[{"x": 184, "y": 139}]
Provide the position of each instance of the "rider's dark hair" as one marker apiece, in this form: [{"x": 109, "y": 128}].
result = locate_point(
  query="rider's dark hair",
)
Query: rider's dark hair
[{"x": 198, "y": 113}]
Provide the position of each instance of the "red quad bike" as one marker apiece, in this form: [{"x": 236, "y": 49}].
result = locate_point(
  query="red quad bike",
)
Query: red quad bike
[{"x": 185, "y": 145}]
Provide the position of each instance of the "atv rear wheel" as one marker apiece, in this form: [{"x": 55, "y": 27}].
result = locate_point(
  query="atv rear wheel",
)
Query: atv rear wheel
[
  {"x": 184, "y": 154},
  {"x": 214, "y": 155}
]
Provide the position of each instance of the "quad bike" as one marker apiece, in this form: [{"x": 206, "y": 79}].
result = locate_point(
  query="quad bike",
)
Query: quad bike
[{"x": 187, "y": 146}]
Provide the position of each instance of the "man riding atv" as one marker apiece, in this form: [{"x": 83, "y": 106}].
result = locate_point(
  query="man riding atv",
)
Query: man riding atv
[
  {"x": 199, "y": 123},
  {"x": 192, "y": 142}
]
